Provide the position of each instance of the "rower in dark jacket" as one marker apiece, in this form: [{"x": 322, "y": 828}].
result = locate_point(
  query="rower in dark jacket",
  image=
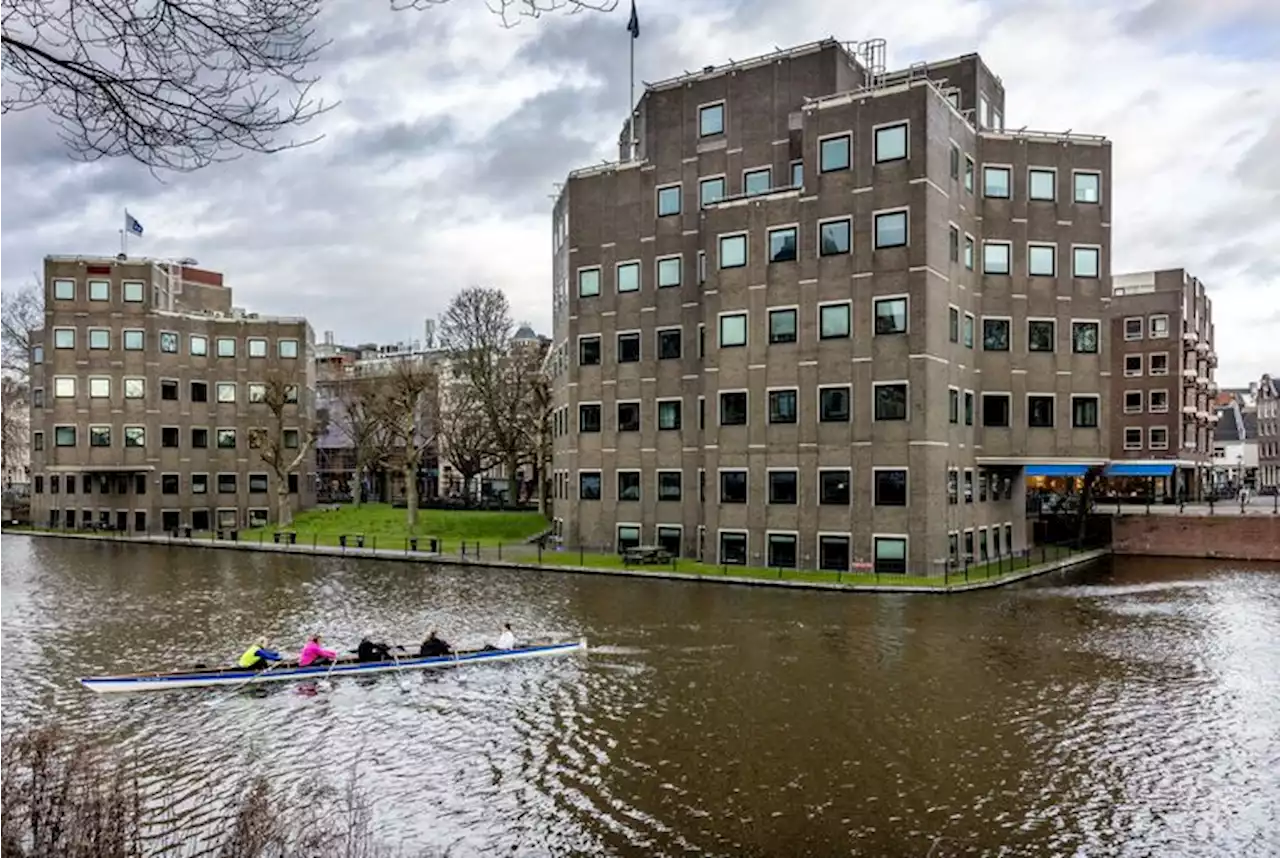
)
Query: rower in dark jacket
[
  {"x": 433, "y": 646},
  {"x": 368, "y": 650}
]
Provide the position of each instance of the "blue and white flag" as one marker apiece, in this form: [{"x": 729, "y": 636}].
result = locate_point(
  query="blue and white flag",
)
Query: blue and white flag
[{"x": 131, "y": 224}]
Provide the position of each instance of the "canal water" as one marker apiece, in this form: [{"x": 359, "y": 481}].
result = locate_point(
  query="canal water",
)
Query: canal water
[{"x": 1129, "y": 709}]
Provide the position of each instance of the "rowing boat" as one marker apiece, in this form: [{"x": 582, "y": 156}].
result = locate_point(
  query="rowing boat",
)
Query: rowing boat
[{"x": 287, "y": 672}]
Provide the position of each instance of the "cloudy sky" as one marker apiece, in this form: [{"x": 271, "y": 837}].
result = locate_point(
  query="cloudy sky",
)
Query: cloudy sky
[{"x": 437, "y": 171}]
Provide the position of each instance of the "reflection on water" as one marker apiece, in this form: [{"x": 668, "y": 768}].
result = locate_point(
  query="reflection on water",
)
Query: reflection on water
[{"x": 1127, "y": 710}]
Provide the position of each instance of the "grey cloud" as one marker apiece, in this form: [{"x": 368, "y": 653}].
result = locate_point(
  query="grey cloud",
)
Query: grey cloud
[{"x": 1260, "y": 164}]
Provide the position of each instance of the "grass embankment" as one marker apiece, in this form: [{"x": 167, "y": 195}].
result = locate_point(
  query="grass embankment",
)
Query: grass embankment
[{"x": 386, "y": 524}]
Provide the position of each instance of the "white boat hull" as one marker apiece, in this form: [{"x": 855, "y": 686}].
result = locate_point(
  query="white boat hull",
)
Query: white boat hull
[{"x": 237, "y": 676}]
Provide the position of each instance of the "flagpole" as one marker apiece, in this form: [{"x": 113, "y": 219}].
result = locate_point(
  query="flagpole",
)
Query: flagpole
[{"x": 631, "y": 101}]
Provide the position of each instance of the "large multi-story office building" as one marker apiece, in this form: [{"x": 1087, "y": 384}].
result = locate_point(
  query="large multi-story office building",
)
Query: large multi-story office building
[
  {"x": 1163, "y": 392},
  {"x": 826, "y": 314},
  {"x": 146, "y": 386}
]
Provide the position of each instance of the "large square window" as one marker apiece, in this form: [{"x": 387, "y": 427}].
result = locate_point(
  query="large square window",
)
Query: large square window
[
  {"x": 733, "y": 251},
  {"x": 669, "y": 200},
  {"x": 1084, "y": 338},
  {"x": 64, "y": 436},
  {"x": 226, "y": 439},
  {"x": 995, "y": 257},
  {"x": 64, "y": 387},
  {"x": 669, "y": 485},
  {"x": 891, "y": 316},
  {"x": 287, "y": 348},
  {"x": 226, "y": 391},
  {"x": 782, "y": 550},
  {"x": 995, "y": 182},
  {"x": 629, "y": 347},
  {"x": 257, "y": 392},
  {"x": 1133, "y": 402},
  {"x": 669, "y": 269},
  {"x": 135, "y": 388},
  {"x": 891, "y": 143},
  {"x": 733, "y": 408},
  {"x": 169, "y": 436},
  {"x": 1158, "y": 363},
  {"x": 198, "y": 346},
  {"x": 99, "y": 338},
  {"x": 833, "y": 321},
  {"x": 628, "y": 416},
  {"x": 588, "y": 282},
  {"x": 628, "y": 274},
  {"x": 782, "y": 244},
  {"x": 833, "y": 553},
  {"x": 226, "y": 347},
  {"x": 711, "y": 190},
  {"x": 733, "y": 330},
  {"x": 134, "y": 341},
  {"x": 1041, "y": 260},
  {"x": 134, "y": 291},
  {"x": 995, "y": 335},
  {"x": 199, "y": 438},
  {"x": 891, "y": 229},
  {"x": 257, "y": 347},
  {"x": 890, "y": 555},
  {"x": 835, "y": 237},
  {"x": 711, "y": 119},
  {"x": 169, "y": 342},
  {"x": 99, "y": 436},
  {"x": 135, "y": 436},
  {"x": 782, "y": 326},
  {"x": 733, "y": 486},
  {"x": 834, "y": 487},
  {"x": 99, "y": 388},
  {"x": 757, "y": 181},
  {"x": 1040, "y": 184},
  {"x": 1040, "y": 411},
  {"x": 199, "y": 391},
  {"x": 890, "y": 487},
  {"x": 64, "y": 290},
  {"x": 589, "y": 351},
  {"x": 1088, "y": 187},
  {"x": 833, "y": 153},
  {"x": 782, "y": 406},
  {"x": 669, "y": 342},
  {"x": 64, "y": 338},
  {"x": 891, "y": 401},
  {"x": 733, "y": 549},
  {"x": 589, "y": 417},
  {"x": 783, "y": 487},
  {"x": 1085, "y": 262},
  {"x": 1041, "y": 334},
  {"x": 833, "y": 404},
  {"x": 628, "y": 485},
  {"x": 1084, "y": 412},
  {"x": 995, "y": 409},
  {"x": 669, "y": 416},
  {"x": 589, "y": 485},
  {"x": 1133, "y": 365}
]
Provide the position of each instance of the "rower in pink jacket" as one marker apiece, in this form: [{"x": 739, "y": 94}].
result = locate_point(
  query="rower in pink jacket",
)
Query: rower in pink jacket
[{"x": 313, "y": 653}]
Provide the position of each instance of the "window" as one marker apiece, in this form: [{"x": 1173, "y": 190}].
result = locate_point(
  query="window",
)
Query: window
[
  {"x": 782, "y": 406},
  {"x": 968, "y": 174},
  {"x": 64, "y": 290},
  {"x": 257, "y": 347},
  {"x": 953, "y": 405},
  {"x": 168, "y": 484},
  {"x": 226, "y": 391},
  {"x": 1041, "y": 184},
  {"x": 890, "y": 555},
  {"x": 226, "y": 439},
  {"x": 782, "y": 244},
  {"x": 782, "y": 550},
  {"x": 955, "y": 157},
  {"x": 589, "y": 417},
  {"x": 628, "y": 276},
  {"x": 1041, "y": 260},
  {"x": 890, "y": 316},
  {"x": 968, "y": 485},
  {"x": 134, "y": 341},
  {"x": 629, "y": 347},
  {"x": 757, "y": 181},
  {"x": 257, "y": 392},
  {"x": 1084, "y": 338},
  {"x": 1132, "y": 365},
  {"x": 1133, "y": 328},
  {"x": 135, "y": 388},
  {"x": 953, "y": 243},
  {"x": 669, "y": 485},
  {"x": 834, "y": 237},
  {"x": 1159, "y": 402},
  {"x": 834, "y": 404},
  {"x": 995, "y": 182},
  {"x": 628, "y": 485},
  {"x": 953, "y": 324},
  {"x": 37, "y": 397},
  {"x": 783, "y": 487},
  {"x": 733, "y": 487},
  {"x": 1158, "y": 438},
  {"x": 711, "y": 119},
  {"x": 37, "y": 441},
  {"x": 669, "y": 413},
  {"x": 227, "y": 484},
  {"x": 711, "y": 190},
  {"x": 968, "y": 330},
  {"x": 833, "y": 321},
  {"x": 199, "y": 484},
  {"x": 891, "y": 400},
  {"x": 198, "y": 345},
  {"x": 968, "y": 408},
  {"x": 833, "y": 153},
  {"x": 99, "y": 338},
  {"x": 1041, "y": 334},
  {"x": 1085, "y": 262},
  {"x": 797, "y": 174},
  {"x": 99, "y": 388},
  {"x": 833, "y": 553},
  {"x": 733, "y": 330},
  {"x": 99, "y": 436},
  {"x": 995, "y": 409},
  {"x": 287, "y": 348},
  {"x": 64, "y": 387},
  {"x": 1133, "y": 402},
  {"x": 1040, "y": 410},
  {"x": 1088, "y": 187},
  {"x": 995, "y": 335},
  {"x": 995, "y": 257},
  {"x": 628, "y": 416},
  {"x": 589, "y": 351},
  {"x": 668, "y": 200},
  {"x": 64, "y": 338},
  {"x": 64, "y": 436},
  {"x": 226, "y": 347},
  {"x": 1133, "y": 438},
  {"x": 1158, "y": 363},
  {"x": 199, "y": 439},
  {"x": 733, "y": 548},
  {"x": 890, "y": 487},
  {"x": 834, "y": 487},
  {"x": 1159, "y": 327},
  {"x": 169, "y": 436},
  {"x": 891, "y": 143},
  {"x": 1084, "y": 412},
  {"x": 291, "y": 393},
  {"x": 782, "y": 326},
  {"x": 588, "y": 282},
  {"x": 669, "y": 340},
  {"x": 733, "y": 251},
  {"x": 135, "y": 436},
  {"x": 733, "y": 408},
  {"x": 891, "y": 229},
  {"x": 134, "y": 291},
  {"x": 199, "y": 391},
  {"x": 968, "y": 252},
  {"x": 702, "y": 267},
  {"x": 669, "y": 271}
]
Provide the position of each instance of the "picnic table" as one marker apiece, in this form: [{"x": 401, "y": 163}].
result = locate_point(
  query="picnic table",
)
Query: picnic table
[{"x": 646, "y": 554}]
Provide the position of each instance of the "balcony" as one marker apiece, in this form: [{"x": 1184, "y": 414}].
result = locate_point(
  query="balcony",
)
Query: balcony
[
  {"x": 1202, "y": 348},
  {"x": 1213, "y": 388},
  {"x": 1189, "y": 410},
  {"x": 1213, "y": 359},
  {"x": 1214, "y": 417},
  {"x": 1188, "y": 375},
  {"x": 1202, "y": 416},
  {"x": 1202, "y": 381},
  {"x": 1190, "y": 337}
]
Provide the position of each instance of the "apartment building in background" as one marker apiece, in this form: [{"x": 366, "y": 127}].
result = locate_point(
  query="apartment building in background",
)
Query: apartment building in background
[
  {"x": 1268, "y": 405},
  {"x": 828, "y": 315},
  {"x": 1163, "y": 390},
  {"x": 146, "y": 384},
  {"x": 1235, "y": 447}
]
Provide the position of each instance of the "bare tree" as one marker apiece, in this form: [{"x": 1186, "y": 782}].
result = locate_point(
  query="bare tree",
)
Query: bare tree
[
  {"x": 282, "y": 444},
  {"x": 538, "y": 426},
  {"x": 511, "y": 12},
  {"x": 20, "y": 314},
  {"x": 407, "y": 412},
  {"x": 465, "y": 441},
  {"x": 15, "y": 429},
  {"x": 359, "y": 419}
]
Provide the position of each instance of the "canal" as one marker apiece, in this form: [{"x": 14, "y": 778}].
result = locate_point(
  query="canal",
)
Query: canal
[{"x": 1128, "y": 709}]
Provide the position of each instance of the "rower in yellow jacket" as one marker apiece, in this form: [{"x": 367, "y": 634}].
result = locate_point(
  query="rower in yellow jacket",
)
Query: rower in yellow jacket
[{"x": 258, "y": 656}]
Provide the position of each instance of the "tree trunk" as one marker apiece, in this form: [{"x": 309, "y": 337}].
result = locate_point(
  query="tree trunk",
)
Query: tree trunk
[
  {"x": 513, "y": 482},
  {"x": 544, "y": 499},
  {"x": 411, "y": 497},
  {"x": 358, "y": 488},
  {"x": 284, "y": 510}
]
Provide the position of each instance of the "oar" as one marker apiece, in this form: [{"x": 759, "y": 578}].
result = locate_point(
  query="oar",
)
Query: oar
[
  {"x": 244, "y": 684},
  {"x": 325, "y": 683},
  {"x": 404, "y": 689}
]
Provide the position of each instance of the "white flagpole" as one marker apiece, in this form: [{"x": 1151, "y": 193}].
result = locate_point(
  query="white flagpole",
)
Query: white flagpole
[
  {"x": 124, "y": 235},
  {"x": 631, "y": 95}
]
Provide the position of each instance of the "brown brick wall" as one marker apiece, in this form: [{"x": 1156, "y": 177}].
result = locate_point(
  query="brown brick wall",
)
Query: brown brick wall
[{"x": 1251, "y": 537}]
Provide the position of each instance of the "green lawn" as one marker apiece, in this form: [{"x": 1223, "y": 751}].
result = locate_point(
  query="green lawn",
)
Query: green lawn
[{"x": 385, "y": 523}]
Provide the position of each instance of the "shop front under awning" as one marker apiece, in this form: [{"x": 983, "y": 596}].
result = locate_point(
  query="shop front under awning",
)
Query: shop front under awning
[
  {"x": 1055, "y": 470},
  {"x": 1139, "y": 469}
]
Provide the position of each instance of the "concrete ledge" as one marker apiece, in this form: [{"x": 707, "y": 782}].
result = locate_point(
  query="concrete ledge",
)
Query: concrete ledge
[
  {"x": 437, "y": 559},
  {"x": 1247, "y": 537}
]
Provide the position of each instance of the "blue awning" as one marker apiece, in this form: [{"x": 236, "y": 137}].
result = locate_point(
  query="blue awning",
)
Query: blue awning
[
  {"x": 1056, "y": 470},
  {"x": 1135, "y": 469}
]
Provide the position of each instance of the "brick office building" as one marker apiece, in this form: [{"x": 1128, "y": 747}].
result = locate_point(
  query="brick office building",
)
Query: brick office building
[
  {"x": 146, "y": 384},
  {"x": 828, "y": 314}
]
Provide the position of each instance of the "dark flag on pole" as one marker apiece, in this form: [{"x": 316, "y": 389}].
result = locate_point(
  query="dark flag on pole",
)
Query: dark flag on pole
[{"x": 633, "y": 25}]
